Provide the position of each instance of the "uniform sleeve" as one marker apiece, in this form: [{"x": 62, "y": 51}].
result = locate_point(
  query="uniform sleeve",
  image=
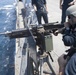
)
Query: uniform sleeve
[
  {"x": 68, "y": 40},
  {"x": 71, "y": 66}
]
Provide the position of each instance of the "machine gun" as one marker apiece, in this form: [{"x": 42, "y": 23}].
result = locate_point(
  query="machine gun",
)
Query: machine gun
[
  {"x": 25, "y": 32},
  {"x": 41, "y": 34}
]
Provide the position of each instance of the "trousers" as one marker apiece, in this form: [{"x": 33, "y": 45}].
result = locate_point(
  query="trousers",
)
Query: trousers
[
  {"x": 64, "y": 8},
  {"x": 40, "y": 15}
]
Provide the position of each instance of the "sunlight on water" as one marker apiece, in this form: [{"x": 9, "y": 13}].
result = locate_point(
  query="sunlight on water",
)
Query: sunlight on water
[{"x": 7, "y": 46}]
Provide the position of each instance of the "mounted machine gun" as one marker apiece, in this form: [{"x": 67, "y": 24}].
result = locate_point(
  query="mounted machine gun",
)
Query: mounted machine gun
[{"x": 41, "y": 34}]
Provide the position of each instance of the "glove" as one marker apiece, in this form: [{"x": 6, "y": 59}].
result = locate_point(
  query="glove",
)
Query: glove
[{"x": 70, "y": 52}]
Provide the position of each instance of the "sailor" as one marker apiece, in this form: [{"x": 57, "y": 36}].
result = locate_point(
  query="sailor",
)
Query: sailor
[
  {"x": 64, "y": 4},
  {"x": 40, "y": 7},
  {"x": 67, "y": 62}
]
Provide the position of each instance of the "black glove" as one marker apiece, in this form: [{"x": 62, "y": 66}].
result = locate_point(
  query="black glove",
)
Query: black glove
[{"x": 70, "y": 52}]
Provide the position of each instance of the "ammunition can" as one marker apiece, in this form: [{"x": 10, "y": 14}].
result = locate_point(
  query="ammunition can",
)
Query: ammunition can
[{"x": 48, "y": 43}]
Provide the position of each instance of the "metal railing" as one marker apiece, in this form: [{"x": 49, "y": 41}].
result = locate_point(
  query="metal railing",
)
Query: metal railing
[{"x": 29, "y": 48}]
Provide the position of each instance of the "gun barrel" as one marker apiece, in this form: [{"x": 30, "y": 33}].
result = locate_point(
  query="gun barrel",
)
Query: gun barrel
[
  {"x": 5, "y": 33},
  {"x": 54, "y": 26},
  {"x": 20, "y": 33},
  {"x": 25, "y": 32},
  {"x": 17, "y": 33}
]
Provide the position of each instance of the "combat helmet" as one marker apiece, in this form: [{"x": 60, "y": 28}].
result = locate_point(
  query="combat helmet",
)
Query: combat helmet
[{"x": 71, "y": 11}]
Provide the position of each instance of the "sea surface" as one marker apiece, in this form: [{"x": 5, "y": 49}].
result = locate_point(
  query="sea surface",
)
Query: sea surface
[{"x": 7, "y": 45}]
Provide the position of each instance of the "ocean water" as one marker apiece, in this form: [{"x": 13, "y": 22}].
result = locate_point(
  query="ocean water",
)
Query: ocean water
[
  {"x": 7, "y": 45},
  {"x": 7, "y": 2}
]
